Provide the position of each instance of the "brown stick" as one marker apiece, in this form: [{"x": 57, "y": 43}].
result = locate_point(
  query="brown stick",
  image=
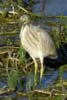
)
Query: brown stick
[
  {"x": 39, "y": 91},
  {"x": 6, "y": 90}
]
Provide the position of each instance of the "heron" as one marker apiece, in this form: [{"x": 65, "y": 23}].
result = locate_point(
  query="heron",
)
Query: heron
[{"x": 37, "y": 42}]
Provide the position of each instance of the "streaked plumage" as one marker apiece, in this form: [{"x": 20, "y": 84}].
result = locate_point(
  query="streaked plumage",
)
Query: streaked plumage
[{"x": 38, "y": 43}]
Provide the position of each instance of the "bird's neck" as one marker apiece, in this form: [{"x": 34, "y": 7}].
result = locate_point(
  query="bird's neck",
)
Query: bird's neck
[{"x": 25, "y": 25}]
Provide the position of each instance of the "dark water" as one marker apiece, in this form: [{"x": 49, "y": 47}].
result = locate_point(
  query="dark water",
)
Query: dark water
[{"x": 53, "y": 7}]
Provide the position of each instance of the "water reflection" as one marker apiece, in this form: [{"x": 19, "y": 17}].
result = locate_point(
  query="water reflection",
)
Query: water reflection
[{"x": 49, "y": 79}]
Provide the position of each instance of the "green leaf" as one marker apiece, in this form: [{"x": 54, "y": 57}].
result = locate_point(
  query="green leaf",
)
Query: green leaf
[
  {"x": 59, "y": 97},
  {"x": 22, "y": 54},
  {"x": 12, "y": 79}
]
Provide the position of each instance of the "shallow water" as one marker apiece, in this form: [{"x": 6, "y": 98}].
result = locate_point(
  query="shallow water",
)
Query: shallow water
[
  {"x": 53, "y": 7},
  {"x": 47, "y": 81}
]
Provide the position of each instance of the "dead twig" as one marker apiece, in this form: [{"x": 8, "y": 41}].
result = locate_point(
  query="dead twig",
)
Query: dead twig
[
  {"x": 6, "y": 90},
  {"x": 29, "y": 64},
  {"x": 9, "y": 47},
  {"x": 39, "y": 91}
]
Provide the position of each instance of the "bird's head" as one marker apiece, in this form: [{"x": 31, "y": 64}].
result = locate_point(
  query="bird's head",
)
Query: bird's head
[{"x": 25, "y": 19}]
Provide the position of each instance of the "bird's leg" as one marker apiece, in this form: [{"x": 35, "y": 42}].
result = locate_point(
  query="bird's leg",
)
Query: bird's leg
[
  {"x": 42, "y": 70},
  {"x": 35, "y": 77}
]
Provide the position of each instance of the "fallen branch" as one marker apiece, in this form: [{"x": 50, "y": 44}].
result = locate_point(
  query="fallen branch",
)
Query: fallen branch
[
  {"x": 39, "y": 91},
  {"x": 10, "y": 47},
  {"x": 8, "y": 33},
  {"x": 10, "y": 12},
  {"x": 3, "y": 52},
  {"x": 13, "y": 59},
  {"x": 6, "y": 91},
  {"x": 27, "y": 65}
]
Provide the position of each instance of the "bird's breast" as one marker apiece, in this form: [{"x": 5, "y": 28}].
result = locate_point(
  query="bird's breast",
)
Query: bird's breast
[{"x": 37, "y": 42}]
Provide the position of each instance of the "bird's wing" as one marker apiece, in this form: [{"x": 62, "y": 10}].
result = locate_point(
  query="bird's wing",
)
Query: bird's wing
[
  {"x": 45, "y": 41},
  {"x": 39, "y": 40}
]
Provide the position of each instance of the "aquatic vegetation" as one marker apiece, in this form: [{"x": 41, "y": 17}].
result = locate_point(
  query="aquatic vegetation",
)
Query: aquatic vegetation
[
  {"x": 12, "y": 79},
  {"x": 22, "y": 55}
]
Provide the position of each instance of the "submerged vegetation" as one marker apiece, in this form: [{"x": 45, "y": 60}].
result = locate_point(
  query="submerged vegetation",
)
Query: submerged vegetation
[{"x": 18, "y": 65}]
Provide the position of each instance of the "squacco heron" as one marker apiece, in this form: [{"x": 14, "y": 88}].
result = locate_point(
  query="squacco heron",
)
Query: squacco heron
[{"x": 37, "y": 42}]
